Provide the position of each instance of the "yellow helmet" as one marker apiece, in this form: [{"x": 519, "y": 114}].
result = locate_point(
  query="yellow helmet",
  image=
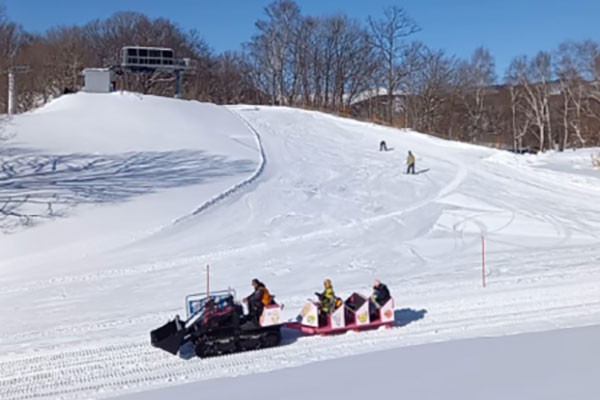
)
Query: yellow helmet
[{"x": 327, "y": 283}]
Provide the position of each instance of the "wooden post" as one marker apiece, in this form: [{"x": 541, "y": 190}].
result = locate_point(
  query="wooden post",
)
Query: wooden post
[{"x": 483, "y": 260}]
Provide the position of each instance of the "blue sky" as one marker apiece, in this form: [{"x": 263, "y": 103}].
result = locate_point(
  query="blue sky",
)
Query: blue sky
[{"x": 507, "y": 27}]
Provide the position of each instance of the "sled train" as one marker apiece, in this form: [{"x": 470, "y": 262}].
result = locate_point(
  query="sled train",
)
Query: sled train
[{"x": 216, "y": 324}]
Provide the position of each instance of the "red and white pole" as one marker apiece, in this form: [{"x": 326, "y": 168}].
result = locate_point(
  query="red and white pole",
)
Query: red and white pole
[{"x": 483, "y": 260}]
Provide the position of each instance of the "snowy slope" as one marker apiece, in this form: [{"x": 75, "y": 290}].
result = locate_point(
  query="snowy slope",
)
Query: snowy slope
[
  {"x": 88, "y": 287},
  {"x": 84, "y": 151},
  {"x": 518, "y": 367}
]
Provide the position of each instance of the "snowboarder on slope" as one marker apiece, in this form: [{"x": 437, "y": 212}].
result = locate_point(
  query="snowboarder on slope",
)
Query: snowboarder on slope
[
  {"x": 410, "y": 161},
  {"x": 383, "y": 146}
]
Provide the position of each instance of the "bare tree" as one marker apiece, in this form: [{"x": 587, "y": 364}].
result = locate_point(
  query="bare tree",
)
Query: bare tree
[
  {"x": 351, "y": 60},
  {"x": 431, "y": 88},
  {"x": 388, "y": 38},
  {"x": 412, "y": 62},
  {"x": 590, "y": 54},
  {"x": 534, "y": 77},
  {"x": 475, "y": 79},
  {"x": 12, "y": 36},
  {"x": 569, "y": 66},
  {"x": 273, "y": 49},
  {"x": 306, "y": 54},
  {"x": 590, "y": 60},
  {"x": 231, "y": 80},
  {"x": 12, "y": 39},
  {"x": 520, "y": 120}
]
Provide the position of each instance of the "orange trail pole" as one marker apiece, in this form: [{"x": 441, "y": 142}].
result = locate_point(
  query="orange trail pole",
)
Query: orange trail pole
[
  {"x": 207, "y": 281},
  {"x": 483, "y": 260}
]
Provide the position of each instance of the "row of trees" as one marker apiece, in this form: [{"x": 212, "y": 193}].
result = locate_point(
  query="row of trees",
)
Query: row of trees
[
  {"x": 556, "y": 96},
  {"x": 371, "y": 69},
  {"x": 374, "y": 70}
]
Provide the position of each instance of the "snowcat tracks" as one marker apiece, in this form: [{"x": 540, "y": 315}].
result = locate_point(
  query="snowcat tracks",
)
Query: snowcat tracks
[{"x": 257, "y": 339}]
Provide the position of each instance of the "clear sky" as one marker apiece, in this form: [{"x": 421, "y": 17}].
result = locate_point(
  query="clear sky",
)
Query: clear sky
[{"x": 507, "y": 27}]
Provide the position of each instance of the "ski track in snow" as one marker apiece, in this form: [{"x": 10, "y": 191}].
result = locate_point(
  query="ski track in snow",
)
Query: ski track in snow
[
  {"x": 236, "y": 188},
  {"x": 109, "y": 356}
]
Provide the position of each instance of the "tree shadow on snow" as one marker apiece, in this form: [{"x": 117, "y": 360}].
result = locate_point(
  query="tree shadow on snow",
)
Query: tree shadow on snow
[
  {"x": 407, "y": 316},
  {"x": 36, "y": 186}
]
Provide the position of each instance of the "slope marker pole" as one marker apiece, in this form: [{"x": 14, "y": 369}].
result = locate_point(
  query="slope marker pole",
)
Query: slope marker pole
[
  {"x": 207, "y": 281},
  {"x": 483, "y": 260}
]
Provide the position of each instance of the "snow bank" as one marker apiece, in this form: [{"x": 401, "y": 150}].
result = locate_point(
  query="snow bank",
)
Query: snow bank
[{"x": 124, "y": 122}]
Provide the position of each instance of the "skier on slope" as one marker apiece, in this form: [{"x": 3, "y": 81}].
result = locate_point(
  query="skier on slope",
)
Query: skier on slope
[
  {"x": 410, "y": 161},
  {"x": 383, "y": 146}
]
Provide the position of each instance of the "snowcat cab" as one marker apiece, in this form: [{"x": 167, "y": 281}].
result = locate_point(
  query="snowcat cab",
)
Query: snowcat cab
[{"x": 216, "y": 324}]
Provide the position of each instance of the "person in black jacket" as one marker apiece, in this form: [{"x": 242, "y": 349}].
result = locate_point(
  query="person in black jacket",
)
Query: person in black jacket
[{"x": 381, "y": 293}]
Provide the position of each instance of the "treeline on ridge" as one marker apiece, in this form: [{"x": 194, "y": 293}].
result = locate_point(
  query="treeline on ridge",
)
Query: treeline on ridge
[{"x": 372, "y": 70}]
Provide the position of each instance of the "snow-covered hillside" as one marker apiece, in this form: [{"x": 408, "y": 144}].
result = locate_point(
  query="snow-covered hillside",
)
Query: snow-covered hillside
[
  {"x": 153, "y": 189},
  {"x": 123, "y": 152}
]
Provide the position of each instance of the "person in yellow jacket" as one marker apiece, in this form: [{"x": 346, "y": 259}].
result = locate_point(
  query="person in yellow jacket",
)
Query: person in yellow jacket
[
  {"x": 327, "y": 298},
  {"x": 410, "y": 161}
]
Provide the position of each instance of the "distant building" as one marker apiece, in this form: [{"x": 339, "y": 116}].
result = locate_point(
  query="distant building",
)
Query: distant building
[{"x": 97, "y": 80}]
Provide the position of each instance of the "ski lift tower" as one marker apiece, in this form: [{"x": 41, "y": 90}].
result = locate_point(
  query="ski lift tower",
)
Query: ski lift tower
[
  {"x": 140, "y": 59},
  {"x": 12, "y": 89}
]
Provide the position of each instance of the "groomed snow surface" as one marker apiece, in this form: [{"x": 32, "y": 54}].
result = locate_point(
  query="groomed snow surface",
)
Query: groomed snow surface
[
  {"x": 127, "y": 198},
  {"x": 554, "y": 365}
]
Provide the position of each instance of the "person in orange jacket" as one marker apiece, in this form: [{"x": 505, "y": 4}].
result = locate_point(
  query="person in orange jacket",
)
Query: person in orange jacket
[{"x": 258, "y": 300}]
